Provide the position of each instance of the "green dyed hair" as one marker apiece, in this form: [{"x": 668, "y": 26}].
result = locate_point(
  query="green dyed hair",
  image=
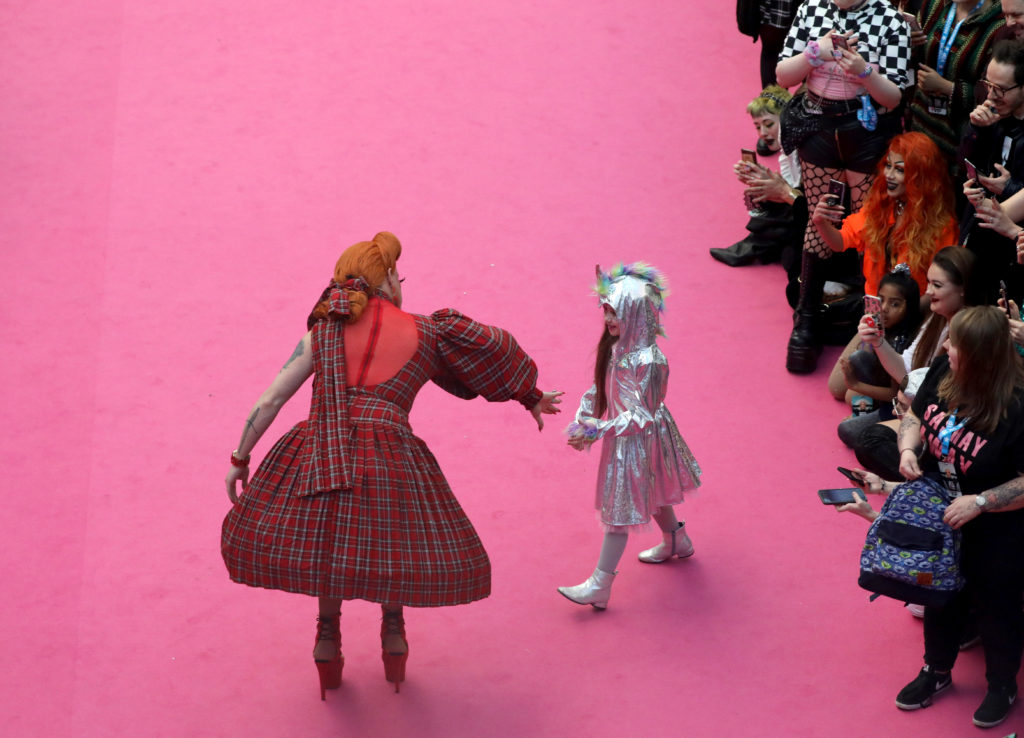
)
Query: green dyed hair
[{"x": 770, "y": 102}]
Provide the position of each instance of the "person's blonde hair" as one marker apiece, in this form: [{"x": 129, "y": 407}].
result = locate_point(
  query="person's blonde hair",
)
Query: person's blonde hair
[
  {"x": 771, "y": 101},
  {"x": 367, "y": 260}
]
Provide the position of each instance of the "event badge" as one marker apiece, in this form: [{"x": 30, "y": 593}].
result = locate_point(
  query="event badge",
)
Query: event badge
[
  {"x": 938, "y": 105},
  {"x": 949, "y": 479}
]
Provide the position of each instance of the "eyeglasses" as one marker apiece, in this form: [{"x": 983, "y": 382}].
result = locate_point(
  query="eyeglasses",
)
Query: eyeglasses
[{"x": 996, "y": 91}]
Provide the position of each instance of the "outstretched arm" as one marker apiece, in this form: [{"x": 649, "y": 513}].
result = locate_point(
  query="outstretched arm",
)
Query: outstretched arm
[{"x": 292, "y": 375}]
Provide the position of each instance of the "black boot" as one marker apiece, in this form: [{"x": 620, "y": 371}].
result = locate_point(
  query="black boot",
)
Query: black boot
[
  {"x": 739, "y": 254},
  {"x": 804, "y": 342}
]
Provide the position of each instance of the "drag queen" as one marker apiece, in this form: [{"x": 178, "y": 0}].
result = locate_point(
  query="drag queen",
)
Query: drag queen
[
  {"x": 645, "y": 465},
  {"x": 349, "y": 504}
]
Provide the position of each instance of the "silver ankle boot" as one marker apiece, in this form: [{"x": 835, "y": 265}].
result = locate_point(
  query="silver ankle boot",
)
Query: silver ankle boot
[
  {"x": 676, "y": 543},
  {"x": 595, "y": 591}
]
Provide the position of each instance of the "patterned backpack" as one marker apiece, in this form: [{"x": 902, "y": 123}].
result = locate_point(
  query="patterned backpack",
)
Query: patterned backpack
[{"x": 910, "y": 554}]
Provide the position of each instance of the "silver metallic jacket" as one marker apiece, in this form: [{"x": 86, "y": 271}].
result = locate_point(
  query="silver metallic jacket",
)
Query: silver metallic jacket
[{"x": 645, "y": 463}]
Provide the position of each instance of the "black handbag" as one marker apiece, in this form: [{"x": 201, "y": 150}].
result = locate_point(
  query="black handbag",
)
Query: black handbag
[
  {"x": 748, "y": 17},
  {"x": 797, "y": 124}
]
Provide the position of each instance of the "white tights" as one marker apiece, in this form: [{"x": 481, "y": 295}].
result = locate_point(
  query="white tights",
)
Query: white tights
[{"x": 614, "y": 543}]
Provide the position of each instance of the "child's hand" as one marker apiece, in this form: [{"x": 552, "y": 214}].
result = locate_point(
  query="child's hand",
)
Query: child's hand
[{"x": 579, "y": 442}]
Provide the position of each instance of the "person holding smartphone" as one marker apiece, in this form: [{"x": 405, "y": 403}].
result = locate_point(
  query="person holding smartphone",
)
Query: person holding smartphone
[
  {"x": 907, "y": 216},
  {"x": 994, "y": 143},
  {"x": 777, "y": 231},
  {"x": 965, "y": 429},
  {"x": 840, "y": 124},
  {"x": 959, "y": 35}
]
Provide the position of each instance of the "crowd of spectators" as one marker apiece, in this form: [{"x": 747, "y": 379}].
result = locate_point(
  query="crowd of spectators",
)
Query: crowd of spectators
[{"x": 899, "y": 128}]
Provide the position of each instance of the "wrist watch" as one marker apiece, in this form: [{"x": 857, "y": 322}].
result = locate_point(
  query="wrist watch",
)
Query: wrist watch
[{"x": 980, "y": 501}]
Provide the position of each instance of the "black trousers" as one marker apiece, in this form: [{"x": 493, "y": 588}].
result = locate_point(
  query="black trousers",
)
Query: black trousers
[{"x": 993, "y": 562}]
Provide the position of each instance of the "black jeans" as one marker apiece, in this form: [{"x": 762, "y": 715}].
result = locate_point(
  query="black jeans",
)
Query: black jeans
[{"x": 993, "y": 562}]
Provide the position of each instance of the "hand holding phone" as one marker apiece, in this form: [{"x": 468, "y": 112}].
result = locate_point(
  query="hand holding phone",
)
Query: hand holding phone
[
  {"x": 841, "y": 496},
  {"x": 873, "y": 314},
  {"x": 851, "y": 475},
  {"x": 972, "y": 173},
  {"x": 915, "y": 27}
]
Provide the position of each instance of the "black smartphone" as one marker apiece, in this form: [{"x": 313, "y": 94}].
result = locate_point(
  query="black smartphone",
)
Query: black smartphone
[
  {"x": 1006, "y": 300},
  {"x": 849, "y": 474},
  {"x": 748, "y": 155},
  {"x": 839, "y": 496}
]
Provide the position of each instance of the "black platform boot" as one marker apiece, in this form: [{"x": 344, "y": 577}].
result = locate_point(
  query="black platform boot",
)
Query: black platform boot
[
  {"x": 804, "y": 342},
  {"x": 740, "y": 253}
]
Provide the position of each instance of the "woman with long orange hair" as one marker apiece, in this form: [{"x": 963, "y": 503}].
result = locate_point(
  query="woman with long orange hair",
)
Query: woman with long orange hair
[{"x": 907, "y": 216}]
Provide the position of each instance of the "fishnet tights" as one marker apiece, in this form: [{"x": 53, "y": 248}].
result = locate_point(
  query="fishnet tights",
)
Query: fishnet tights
[{"x": 815, "y": 182}]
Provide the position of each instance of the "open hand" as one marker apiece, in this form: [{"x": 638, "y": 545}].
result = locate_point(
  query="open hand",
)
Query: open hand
[
  {"x": 547, "y": 406},
  {"x": 996, "y": 184}
]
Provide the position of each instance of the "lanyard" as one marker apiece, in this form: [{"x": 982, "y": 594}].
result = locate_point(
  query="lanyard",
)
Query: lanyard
[
  {"x": 946, "y": 433},
  {"x": 947, "y": 39}
]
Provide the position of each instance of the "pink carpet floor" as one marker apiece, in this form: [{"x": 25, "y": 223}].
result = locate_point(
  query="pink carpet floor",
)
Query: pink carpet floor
[{"x": 176, "y": 182}]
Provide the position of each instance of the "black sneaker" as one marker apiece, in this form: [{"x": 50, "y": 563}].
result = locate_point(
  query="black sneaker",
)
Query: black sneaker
[
  {"x": 995, "y": 707},
  {"x": 919, "y": 692}
]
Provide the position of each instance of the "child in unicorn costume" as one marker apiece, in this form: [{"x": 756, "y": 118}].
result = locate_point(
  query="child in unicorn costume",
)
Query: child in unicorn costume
[{"x": 645, "y": 464}]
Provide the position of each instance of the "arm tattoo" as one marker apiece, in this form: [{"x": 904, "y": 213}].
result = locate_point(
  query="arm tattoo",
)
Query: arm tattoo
[
  {"x": 910, "y": 427},
  {"x": 1001, "y": 496},
  {"x": 295, "y": 354},
  {"x": 250, "y": 425}
]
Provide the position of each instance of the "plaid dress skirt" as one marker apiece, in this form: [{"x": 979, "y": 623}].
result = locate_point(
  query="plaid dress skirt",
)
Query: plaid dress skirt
[{"x": 398, "y": 536}]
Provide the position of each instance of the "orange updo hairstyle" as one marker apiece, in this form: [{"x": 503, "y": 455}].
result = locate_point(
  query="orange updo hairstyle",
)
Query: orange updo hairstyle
[
  {"x": 929, "y": 202},
  {"x": 369, "y": 260}
]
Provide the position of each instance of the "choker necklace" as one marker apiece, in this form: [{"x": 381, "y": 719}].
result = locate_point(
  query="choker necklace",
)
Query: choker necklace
[{"x": 900, "y": 206}]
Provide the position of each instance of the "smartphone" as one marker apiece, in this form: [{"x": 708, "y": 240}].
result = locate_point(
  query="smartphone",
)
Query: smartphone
[
  {"x": 972, "y": 173},
  {"x": 840, "y": 42},
  {"x": 873, "y": 311},
  {"x": 1006, "y": 299},
  {"x": 748, "y": 155},
  {"x": 912, "y": 22},
  {"x": 836, "y": 192},
  {"x": 849, "y": 474},
  {"x": 839, "y": 496}
]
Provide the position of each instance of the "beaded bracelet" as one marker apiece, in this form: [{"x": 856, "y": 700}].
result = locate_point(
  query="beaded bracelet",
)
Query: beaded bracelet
[{"x": 240, "y": 463}]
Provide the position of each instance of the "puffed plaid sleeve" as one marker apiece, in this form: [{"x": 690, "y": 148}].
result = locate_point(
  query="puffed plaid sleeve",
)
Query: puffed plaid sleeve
[{"x": 483, "y": 360}]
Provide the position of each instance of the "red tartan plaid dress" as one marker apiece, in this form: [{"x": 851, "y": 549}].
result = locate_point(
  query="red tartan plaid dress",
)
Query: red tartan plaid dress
[{"x": 372, "y": 517}]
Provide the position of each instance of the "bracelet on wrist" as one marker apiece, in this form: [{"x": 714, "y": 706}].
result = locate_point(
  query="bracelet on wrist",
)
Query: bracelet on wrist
[
  {"x": 813, "y": 54},
  {"x": 239, "y": 461},
  {"x": 868, "y": 69},
  {"x": 911, "y": 450}
]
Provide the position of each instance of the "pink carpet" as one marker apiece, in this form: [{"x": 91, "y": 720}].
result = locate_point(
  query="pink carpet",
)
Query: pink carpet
[{"x": 177, "y": 181}]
